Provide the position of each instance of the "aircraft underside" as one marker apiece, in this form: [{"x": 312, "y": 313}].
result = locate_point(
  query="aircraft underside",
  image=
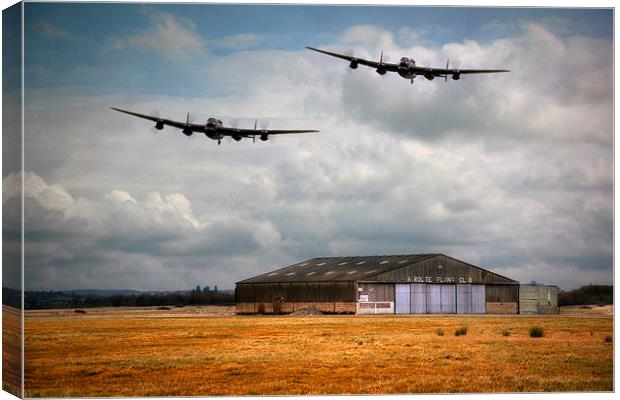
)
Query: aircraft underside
[{"x": 407, "y": 74}]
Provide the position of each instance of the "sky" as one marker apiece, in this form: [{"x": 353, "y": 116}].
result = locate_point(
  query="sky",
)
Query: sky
[{"x": 511, "y": 172}]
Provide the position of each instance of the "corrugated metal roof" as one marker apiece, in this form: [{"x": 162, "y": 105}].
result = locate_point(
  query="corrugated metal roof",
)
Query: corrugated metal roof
[{"x": 338, "y": 268}]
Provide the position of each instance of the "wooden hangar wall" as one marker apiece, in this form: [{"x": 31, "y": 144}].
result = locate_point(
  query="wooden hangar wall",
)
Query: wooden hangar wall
[{"x": 433, "y": 284}]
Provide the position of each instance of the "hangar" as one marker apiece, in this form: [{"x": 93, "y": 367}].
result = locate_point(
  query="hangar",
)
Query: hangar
[{"x": 397, "y": 284}]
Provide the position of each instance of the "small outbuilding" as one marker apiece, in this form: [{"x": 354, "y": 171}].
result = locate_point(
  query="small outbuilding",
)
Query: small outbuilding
[
  {"x": 538, "y": 299},
  {"x": 398, "y": 284}
]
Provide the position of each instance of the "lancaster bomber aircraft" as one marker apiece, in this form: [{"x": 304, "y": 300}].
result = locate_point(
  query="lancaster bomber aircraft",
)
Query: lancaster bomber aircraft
[
  {"x": 214, "y": 128},
  {"x": 408, "y": 69}
]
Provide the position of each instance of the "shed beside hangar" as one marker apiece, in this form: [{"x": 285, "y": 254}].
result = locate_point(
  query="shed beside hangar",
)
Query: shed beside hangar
[{"x": 399, "y": 284}]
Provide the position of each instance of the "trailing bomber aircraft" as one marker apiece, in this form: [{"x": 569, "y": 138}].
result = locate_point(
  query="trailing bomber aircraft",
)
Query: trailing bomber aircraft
[
  {"x": 407, "y": 67},
  {"x": 214, "y": 128}
]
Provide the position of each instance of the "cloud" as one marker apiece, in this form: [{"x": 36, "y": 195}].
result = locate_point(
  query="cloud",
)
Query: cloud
[
  {"x": 50, "y": 30},
  {"x": 174, "y": 38},
  {"x": 243, "y": 41},
  {"x": 510, "y": 172},
  {"x": 78, "y": 242}
]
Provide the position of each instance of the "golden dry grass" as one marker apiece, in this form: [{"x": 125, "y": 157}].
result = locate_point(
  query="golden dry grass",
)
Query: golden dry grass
[
  {"x": 121, "y": 354},
  {"x": 11, "y": 350},
  {"x": 593, "y": 309}
]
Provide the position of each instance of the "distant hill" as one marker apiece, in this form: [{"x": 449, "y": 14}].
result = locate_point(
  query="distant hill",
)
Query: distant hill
[
  {"x": 114, "y": 298},
  {"x": 102, "y": 292},
  {"x": 591, "y": 294}
]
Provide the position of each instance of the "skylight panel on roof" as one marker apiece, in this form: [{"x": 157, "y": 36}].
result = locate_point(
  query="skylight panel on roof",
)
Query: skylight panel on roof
[
  {"x": 272, "y": 274},
  {"x": 361, "y": 262},
  {"x": 289, "y": 273},
  {"x": 370, "y": 272},
  {"x": 311, "y": 273},
  {"x": 303, "y": 265},
  {"x": 319, "y": 264},
  {"x": 343, "y": 263},
  {"x": 329, "y": 272},
  {"x": 351, "y": 272},
  {"x": 402, "y": 261},
  {"x": 384, "y": 262}
]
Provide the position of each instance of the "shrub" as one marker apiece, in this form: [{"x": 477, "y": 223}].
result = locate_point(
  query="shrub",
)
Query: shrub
[
  {"x": 439, "y": 332},
  {"x": 261, "y": 308},
  {"x": 537, "y": 331},
  {"x": 608, "y": 338},
  {"x": 79, "y": 311},
  {"x": 505, "y": 332},
  {"x": 462, "y": 331}
]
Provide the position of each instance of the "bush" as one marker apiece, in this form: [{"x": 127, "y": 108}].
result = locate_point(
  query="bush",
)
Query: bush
[
  {"x": 537, "y": 331},
  {"x": 79, "y": 311},
  {"x": 608, "y": 338},
  {"x": 261, "y": 308},
  {"x": 505, "y": 332},
  {"x": 591, "y": 294},
  {"x": 439, "y": 332},
  {"x": 462, "y": 331}
]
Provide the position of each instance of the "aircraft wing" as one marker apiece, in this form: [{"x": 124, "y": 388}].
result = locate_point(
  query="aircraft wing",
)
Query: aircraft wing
[
  {"x": 452, "y": 71},
  {"x": 252, "y": 132},
  {"x": 368, "y": 63},
  {"x": 169, "y": 122}
]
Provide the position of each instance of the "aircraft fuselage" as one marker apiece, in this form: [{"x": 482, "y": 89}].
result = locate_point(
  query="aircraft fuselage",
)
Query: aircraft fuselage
[
  {"x": 212, "y": 129},
  {"x": 406, "y": 68}
]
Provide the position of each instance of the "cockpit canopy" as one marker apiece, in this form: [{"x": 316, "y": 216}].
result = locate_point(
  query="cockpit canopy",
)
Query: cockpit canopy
[
  {"x": 213, "y": 122},
  {"x": 406, "y": 61}
]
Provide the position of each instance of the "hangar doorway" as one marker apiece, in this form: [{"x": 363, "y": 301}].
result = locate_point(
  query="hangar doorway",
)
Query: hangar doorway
[{"x": 422, "y": 298}]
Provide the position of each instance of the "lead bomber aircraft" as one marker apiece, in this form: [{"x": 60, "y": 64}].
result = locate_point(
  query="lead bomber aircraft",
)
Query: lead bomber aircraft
[
  {"x": 214, "y": 128},
  {"x": 407, "y": 67}
]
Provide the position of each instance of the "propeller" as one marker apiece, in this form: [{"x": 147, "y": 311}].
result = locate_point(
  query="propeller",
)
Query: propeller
[
  {"x": 447, "y": 66},
  {"x": 254, "y": 136},
  {"x": 186, "y": 129},
  {"x": 380, "y": 68},
  {"x": 155, "y": 131}
]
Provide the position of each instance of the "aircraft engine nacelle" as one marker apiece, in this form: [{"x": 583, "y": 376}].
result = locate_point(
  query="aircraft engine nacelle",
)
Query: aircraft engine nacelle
[
  {"x": 237, "y": 138},
  {"x": 430, "y": 77},
  {"x": 353, "y": 64},
  {"x": 159, "y": 125},
  {"x": 381, "y": 70},
  {"x": 264, "y": 137},
  {"x": 456, "y": 76},
  {"x": 187, "y": 132}
]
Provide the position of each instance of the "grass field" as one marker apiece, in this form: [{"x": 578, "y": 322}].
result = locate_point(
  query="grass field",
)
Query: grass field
[
  {"x": 201, "y": 351},
  {"x": 11, "y": 350}
]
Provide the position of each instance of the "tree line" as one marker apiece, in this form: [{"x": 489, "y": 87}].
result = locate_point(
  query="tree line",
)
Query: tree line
[
  {"x": 60, "y": 299},
  {"x": 591, "y": 294}
]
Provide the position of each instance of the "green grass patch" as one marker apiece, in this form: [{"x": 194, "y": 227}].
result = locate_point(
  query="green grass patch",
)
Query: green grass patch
[{"x": 537, "y": 331}]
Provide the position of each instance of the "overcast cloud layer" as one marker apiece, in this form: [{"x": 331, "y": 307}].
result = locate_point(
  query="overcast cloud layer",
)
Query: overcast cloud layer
[{"x": 511, "y": 172}]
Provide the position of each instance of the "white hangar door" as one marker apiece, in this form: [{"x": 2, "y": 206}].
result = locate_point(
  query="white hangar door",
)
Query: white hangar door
[
  {"x": 448, "y": 299},
  {"x": 418, "y": 298},
  {"x": 478, "y": 299},
  {"x": 433, "y": 299},
  {"x": 470, "y": 299},
  {"x": 403, "y": 296},
  {"x": 463, "y": 299}
]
